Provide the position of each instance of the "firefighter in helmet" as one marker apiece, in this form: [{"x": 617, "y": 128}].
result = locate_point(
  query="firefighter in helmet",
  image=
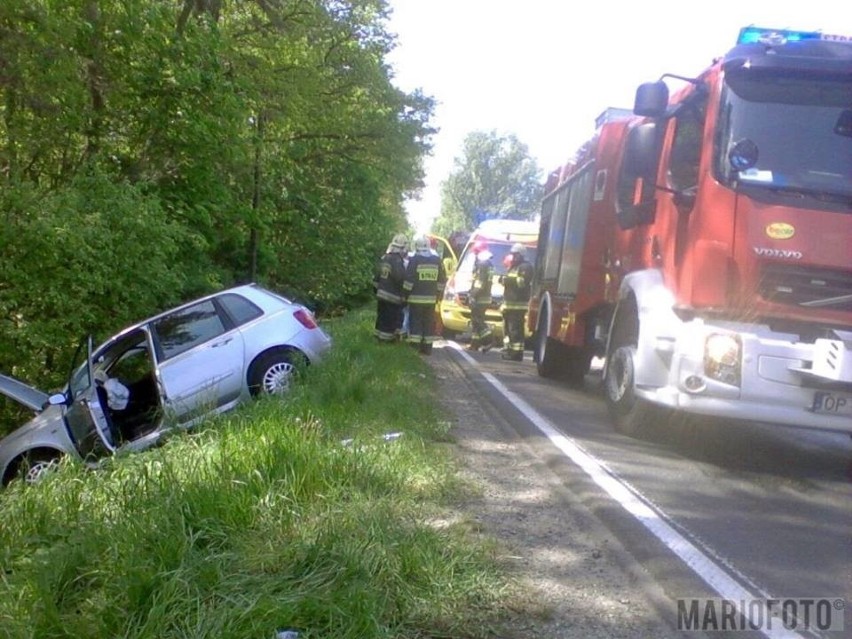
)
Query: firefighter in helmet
[
  {"x": 516, "y": 296},
  {"x": 425, "y": 278},
  {"x": 479, "y": 298},
  {"x": 390, "y": 298}
]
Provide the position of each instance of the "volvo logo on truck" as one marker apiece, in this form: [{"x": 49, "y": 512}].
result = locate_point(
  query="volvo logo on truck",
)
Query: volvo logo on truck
[{"x": 788, "y": 254}]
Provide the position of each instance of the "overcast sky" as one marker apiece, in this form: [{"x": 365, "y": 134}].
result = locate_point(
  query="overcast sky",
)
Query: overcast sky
[{"x": 544, "y": 69}]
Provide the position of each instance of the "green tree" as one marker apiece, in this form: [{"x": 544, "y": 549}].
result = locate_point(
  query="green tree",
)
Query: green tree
[
  {"x": 339, "y": 146},
  {"x": 151, "y": 151},
  {"x": 495, "y": 177}
]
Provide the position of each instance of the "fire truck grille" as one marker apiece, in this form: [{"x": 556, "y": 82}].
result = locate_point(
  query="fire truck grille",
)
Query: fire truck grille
[{"x": 802, "y": 286}]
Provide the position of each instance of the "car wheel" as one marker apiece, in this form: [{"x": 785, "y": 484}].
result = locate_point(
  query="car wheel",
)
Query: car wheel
[
  {"x": 274, "y": 372},
  {"x": 449, "y": 334},
  {"x": 629, "y": 413},
  {"x": 34, "y": 466}
]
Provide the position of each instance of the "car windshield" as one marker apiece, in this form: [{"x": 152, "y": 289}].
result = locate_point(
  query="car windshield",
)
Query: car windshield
[
  {"x": 499, "y": 250},
  {"x": 793, "y": 127}
]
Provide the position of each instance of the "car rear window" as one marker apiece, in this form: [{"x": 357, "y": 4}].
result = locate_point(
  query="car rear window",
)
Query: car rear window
[{"x": 240, "y": 310}]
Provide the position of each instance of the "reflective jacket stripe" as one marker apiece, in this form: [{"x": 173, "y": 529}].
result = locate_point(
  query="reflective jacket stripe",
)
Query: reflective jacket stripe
[{"x": 389, "y": 297}]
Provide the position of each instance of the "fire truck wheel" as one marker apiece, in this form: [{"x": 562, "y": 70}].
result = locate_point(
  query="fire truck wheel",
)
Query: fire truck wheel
[
  {"x": 547, "y": 361},
  {"x": 576, "y": 366},
  {"x": 629, "y": 413}
]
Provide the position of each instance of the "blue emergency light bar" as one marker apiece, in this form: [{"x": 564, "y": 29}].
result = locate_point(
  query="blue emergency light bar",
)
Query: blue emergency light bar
[{"x": 762, "y": 35}]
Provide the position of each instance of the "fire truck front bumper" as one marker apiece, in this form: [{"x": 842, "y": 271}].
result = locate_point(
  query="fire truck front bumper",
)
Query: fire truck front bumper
[{"x": 739, "y": 373}]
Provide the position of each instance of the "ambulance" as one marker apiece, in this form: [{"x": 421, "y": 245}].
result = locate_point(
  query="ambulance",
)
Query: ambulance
[{"x": 499, "y": 236}]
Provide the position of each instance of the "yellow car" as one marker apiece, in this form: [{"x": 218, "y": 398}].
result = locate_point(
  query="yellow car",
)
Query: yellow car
[{"x": 499, "y": 235}]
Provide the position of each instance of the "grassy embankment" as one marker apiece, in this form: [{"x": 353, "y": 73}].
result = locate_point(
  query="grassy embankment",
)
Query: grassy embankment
[{"x": 262, "y": 520}]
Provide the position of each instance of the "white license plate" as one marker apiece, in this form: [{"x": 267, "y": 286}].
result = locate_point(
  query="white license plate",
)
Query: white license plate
[{"x": 832, "y": 404}]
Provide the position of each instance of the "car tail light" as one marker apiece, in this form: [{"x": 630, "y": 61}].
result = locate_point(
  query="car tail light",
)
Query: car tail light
[{"x": 305, "y": 318}]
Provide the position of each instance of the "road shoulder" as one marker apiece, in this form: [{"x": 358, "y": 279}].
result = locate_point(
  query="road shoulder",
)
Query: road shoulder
[{"x": 574, "y": 579}]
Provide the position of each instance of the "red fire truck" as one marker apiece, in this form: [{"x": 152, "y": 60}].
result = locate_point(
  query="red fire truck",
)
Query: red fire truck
[{"x": 702, "y": 243}]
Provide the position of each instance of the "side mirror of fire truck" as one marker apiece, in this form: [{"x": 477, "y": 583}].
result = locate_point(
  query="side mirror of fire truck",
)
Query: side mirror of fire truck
[{"x": 652, "y": 98}]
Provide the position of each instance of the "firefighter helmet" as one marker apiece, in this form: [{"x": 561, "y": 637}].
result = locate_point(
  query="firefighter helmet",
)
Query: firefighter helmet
[
  {"x": 421, "y": 244},
  {"x": 519, "y": 249},
  {"x": 399, "y": 243}
]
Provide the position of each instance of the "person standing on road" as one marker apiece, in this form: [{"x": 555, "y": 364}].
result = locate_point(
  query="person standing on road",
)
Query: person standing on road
[
  {"x": 516, "y": 297},
  {"x": 479, "y": 300},
  {"x": 390, "y": 300},
  {"x": 407, "y": 254},
  {"x": 424, "y": 284}
]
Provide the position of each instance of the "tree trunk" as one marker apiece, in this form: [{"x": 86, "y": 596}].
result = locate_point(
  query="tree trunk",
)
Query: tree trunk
[{"x": 254, "y": 234}]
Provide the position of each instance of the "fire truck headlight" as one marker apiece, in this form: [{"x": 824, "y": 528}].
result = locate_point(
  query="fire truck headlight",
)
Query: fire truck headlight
[{"x": 723, "y": 358}]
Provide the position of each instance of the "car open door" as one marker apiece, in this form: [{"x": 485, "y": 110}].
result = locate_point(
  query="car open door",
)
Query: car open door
[
  {"x": 130, "y": 394},
  {"x": 24, "y": 394},
  {"x": 199, "y": 361},
  {"x": 445, "y": 251},
  {"x": 84, "y": 407}
]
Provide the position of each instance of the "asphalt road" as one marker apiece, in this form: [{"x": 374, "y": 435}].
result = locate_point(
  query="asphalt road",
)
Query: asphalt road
[{"x": 769, "y": 506}]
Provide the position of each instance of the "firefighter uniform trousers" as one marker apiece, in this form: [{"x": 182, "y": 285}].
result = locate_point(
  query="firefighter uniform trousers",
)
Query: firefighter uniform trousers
[
  {"x": 424, "y": 283},
  {"x": 513, "y": 328},
  {"x": 480, "y": 300},
  {"x": 516, "y": 296},
  {"x": 481, "y": 333},
  {"x": 390, "y": 304},
  {"x": 389, "y": 317}
]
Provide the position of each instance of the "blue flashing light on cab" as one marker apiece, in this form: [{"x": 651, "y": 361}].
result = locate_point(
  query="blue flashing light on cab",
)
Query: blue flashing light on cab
[{"x": 762, "y": 35}]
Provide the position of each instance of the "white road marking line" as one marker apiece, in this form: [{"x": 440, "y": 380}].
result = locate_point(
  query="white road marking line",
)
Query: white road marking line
[{"x": 709, "y": 571}]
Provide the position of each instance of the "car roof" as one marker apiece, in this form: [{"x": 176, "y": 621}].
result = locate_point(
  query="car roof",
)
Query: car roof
[
  {"x": 500, "y": 229},
  {"x": 250, "y": 291},
  {"x": 505, "y": 232}
]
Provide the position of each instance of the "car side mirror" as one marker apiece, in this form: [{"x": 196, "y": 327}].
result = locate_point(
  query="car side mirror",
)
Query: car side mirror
[{"x": 57, "y": 399}]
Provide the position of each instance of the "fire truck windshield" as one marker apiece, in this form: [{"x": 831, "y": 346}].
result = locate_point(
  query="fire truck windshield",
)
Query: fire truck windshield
[{"x": 796, "y": 132}]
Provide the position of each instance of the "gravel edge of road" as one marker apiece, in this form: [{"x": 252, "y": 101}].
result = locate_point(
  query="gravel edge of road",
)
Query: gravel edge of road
[{"x": 574, "y": 578}]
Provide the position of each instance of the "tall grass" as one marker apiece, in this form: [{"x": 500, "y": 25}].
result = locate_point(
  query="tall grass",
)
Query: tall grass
[{"x": 260, "y": 520}]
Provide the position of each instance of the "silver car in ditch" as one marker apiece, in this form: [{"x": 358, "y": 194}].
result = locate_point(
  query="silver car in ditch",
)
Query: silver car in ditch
[{"x": 164, "y": 373}]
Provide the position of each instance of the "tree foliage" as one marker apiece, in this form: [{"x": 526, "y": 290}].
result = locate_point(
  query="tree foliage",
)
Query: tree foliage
[
  {"x": 494, "y": 178},
  {"x": 151, "y": 151}
]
